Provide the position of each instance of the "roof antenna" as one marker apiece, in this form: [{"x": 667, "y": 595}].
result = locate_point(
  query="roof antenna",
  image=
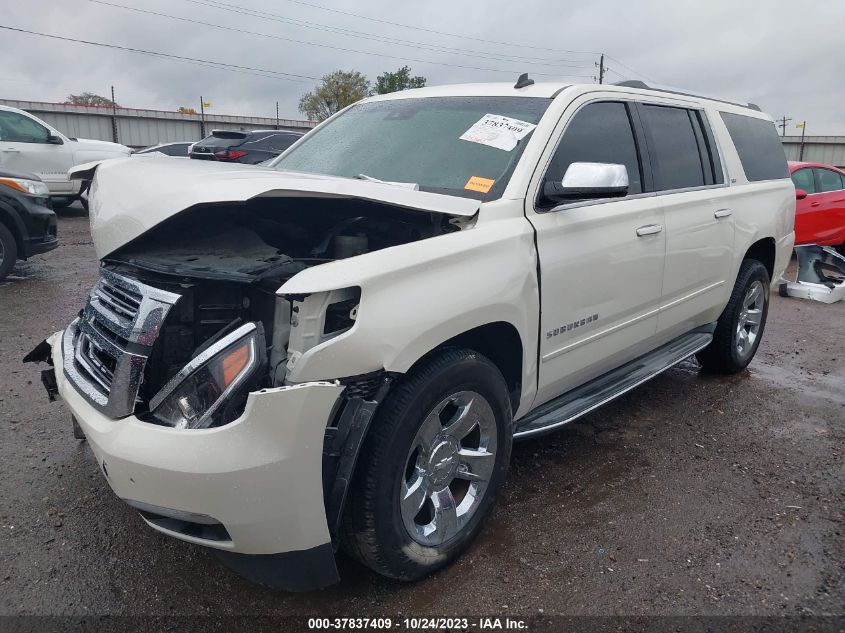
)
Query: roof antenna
[{"x": 523, "y": 81}]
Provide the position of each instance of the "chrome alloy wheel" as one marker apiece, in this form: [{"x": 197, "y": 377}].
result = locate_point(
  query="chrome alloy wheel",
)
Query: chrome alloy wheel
[
  {"x": 750, "y": 319},
  {"x": 448, "y": 468}
]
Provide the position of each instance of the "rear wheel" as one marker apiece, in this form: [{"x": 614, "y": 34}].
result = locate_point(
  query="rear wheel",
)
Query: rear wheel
[
  {"x": 435, "y": 457},
  {"x": 8, "y": 251},
  {"x": 740, "y": 328}
]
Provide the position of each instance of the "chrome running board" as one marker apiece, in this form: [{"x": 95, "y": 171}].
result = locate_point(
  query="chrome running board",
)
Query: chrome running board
[{"x": 609, "y": 386}]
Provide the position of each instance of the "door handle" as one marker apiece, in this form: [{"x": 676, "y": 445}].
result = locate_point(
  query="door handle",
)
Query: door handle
[
  {"x": 649, "y": 229},
  {"x": 723, "y": 213},
  {"x": 815, "y": 204}
]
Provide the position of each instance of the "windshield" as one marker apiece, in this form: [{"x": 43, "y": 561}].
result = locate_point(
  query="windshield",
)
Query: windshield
[{"x": 419, "y": 141}]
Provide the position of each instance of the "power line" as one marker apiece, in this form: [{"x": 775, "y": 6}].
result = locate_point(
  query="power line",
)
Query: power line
[
  {"x": 420, "y": 28},
  {"x": 305, "y": 42},
  {"x": 262, "y": 72},
  {"x": 629, "y": 69},
  {"x": 383, "y": 38}
]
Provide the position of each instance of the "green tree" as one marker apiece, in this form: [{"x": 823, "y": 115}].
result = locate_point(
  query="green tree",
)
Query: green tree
[
  {"x": 396, "y": 81},
  {"x": 90, "y": 99},
  {"x": 338, "y": 90},
  {"x": 186, "y": 110}
]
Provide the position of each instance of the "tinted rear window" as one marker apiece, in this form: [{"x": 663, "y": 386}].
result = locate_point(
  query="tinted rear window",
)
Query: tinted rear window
[
  {"x": 758, "y": 145},
  {"x": 829, "y": 180},
  {"x": 221, "y": 142},
  {"x": 676, "y": 156}
]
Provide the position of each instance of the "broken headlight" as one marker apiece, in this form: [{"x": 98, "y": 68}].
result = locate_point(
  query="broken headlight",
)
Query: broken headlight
[{"x": 203, "y": 393}]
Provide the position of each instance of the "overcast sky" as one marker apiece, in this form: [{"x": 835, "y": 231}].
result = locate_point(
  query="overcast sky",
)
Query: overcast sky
[{"x": 785, "y": 56}]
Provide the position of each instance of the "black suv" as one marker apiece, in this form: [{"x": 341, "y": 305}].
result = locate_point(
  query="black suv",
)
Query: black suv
[
  {"x": 27, "y": 221},
  {"x": 234, "y": 146}
]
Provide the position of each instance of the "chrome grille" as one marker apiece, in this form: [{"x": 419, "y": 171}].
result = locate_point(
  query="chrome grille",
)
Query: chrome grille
[
  {"x": 120, "y": 301},
  {"x": 106, "y": 349}
]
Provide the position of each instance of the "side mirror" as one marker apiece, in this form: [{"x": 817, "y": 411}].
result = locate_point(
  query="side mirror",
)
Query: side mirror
[
  {"x": 589, "y": 181},
  {"x": 55, "y": 140},
  {"x": 800, "y": 194}
]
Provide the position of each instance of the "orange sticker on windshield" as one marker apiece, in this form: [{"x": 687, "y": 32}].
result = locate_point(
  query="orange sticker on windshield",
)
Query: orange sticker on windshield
[{"x": 477, "y": 183}]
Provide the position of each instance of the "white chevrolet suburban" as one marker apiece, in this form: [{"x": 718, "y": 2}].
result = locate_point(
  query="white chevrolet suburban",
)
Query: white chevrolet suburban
[
  {"x": 29, "y": 144},
  {"x": 338, "y": 350}
]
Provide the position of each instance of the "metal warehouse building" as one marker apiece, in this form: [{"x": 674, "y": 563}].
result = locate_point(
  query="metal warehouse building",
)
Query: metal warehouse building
[
  {"x": 817, "y": 149},
  {"x": 141, "y": 128}
]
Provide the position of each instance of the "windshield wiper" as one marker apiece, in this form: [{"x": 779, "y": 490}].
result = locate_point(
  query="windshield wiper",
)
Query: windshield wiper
[{"x": 405, "y": 185}]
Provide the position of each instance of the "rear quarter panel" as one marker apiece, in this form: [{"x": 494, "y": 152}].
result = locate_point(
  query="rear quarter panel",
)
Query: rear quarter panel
[{"x": 762, "y": 209}]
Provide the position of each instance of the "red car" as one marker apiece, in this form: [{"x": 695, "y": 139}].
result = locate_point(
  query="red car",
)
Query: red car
[{"x": 820, "y": 204}]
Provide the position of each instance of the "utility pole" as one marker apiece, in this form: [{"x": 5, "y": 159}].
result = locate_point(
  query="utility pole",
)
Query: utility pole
[
  {"x": 782, "y": 125},
  {"x": 113, "y": 117},
  {"x": 601, "y": 68},
  {"x": 202, "y": 118},
  {"x": 277, "y": 115},
  {"x": 803, "y": 126}
]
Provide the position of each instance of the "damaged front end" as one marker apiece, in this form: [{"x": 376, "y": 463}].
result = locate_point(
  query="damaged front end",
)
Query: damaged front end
[{"x": 186, "y": 333}]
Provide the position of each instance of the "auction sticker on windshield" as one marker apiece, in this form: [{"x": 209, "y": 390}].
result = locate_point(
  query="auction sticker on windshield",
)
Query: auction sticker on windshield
[
  {"x": 495, "y": 130},
  {"x": 477, "y": 183}
]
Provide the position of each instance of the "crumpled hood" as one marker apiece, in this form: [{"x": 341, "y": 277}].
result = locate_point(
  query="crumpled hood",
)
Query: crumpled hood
[
  {"x": 103, "y": 146},
  {"x": 129, "y": 197}
]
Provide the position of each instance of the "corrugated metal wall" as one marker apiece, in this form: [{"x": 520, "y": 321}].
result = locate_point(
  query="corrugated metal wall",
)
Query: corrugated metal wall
[
  {"x": 817, "y": 149},
  {"x": 142, "y": 128}
]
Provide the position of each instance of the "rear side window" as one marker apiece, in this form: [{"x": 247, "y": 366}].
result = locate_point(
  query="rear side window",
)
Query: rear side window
[
  {"x": 280, "y": 142},
  {"x": 758, "y": 145},
  {"x": 599, "y": 133},
  {"x": 829, "y": 180},
  {"x": 803, "y": 179},
  {"x": 674, "y": 149},
  {"x": 175, "y": 150}
]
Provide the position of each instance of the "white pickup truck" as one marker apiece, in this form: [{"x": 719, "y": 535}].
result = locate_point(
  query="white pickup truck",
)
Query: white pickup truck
[
  {"x": 29, "y": 144},
  {"x": 339, "y": 350}
]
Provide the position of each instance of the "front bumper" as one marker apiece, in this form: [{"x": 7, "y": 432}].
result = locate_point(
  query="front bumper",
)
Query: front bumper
[
  {"x": 251, "y": 487},
  {"x": 41, "y": 245}
]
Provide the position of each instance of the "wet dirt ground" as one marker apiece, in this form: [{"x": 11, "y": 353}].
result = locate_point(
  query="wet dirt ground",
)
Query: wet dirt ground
[{"x": 692, "y": 495}]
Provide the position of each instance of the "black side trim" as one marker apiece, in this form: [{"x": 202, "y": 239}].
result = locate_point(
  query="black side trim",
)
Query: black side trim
[
  {"x": 290, "y": 571},
  {"x": 342, "y": 443}
]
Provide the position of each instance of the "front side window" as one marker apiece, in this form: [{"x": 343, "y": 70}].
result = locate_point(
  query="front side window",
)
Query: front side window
[
  {"x": 829, "y": 180},
  {"x": 674, "y": 148},
  {"x": 803, "y": 179},
  {"x": 419, "y": 141},
  {"x": 598, "y": 133},
  {"x": 18, "y": 128},
  {"x": 758, "y": 145}
]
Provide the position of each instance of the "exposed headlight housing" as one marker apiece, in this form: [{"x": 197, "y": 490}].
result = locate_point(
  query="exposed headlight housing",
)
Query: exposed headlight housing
[
  {"x": 200, "y": 395},
  {"x": 26, "y": 186}
]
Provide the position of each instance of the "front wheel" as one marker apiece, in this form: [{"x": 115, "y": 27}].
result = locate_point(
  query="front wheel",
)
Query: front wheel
[
  {"x": 8, "y": 251},
  {"x": 434, "y": 459},
  {"x": 740, "y": 328}
]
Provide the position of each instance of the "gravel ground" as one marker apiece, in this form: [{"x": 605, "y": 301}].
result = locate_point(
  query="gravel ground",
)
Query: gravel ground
[{"x": 693, "y": 495}]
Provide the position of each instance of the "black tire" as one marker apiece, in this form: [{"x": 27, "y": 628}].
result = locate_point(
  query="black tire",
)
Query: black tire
[
  {"x": 8, "y": 251},
  {"x": 373, "y": 528},
  {"x": 723, "y": 354}
]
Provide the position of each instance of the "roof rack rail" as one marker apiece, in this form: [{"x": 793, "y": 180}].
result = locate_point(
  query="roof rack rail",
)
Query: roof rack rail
[{"x": 636, "y": 83}]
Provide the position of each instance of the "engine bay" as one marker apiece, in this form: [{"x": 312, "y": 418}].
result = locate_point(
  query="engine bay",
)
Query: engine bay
[{"x": 227, "y": 262}]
